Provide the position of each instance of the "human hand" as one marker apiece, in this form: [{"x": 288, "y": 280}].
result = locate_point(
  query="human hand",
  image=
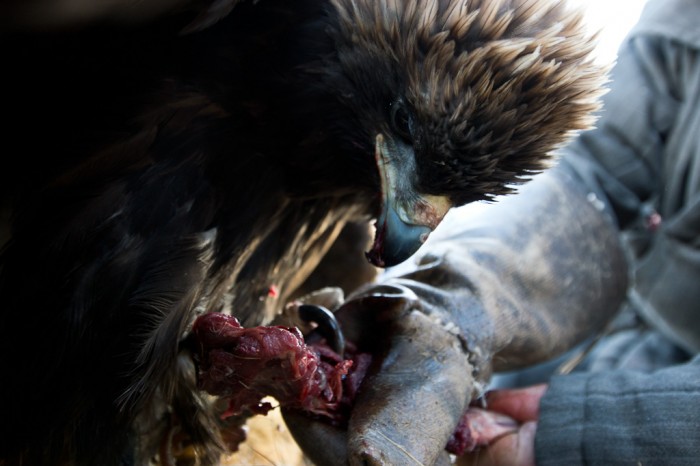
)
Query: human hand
[{"x": 515, "y": 447}]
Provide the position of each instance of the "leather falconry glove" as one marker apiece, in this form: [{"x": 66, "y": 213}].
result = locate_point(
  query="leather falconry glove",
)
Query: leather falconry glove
[{"x": 519, "y": 283}]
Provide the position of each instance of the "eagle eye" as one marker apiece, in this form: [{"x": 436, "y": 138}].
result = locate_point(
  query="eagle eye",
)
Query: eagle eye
[{"x": 401, "y": 121}]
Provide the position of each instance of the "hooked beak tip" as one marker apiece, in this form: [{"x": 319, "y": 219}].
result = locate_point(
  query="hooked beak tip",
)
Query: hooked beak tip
[{"x": 395, "y": 241}]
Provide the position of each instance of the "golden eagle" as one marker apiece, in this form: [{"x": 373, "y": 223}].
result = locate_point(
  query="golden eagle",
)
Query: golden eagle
[{"x": 171, "y": 159}]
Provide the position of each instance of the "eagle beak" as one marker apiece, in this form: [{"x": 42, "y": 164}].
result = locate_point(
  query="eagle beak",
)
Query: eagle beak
[{"x": 407, "y": 217}]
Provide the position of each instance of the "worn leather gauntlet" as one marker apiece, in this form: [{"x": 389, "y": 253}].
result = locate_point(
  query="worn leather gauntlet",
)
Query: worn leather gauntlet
[{"x": 519, "y": 283}]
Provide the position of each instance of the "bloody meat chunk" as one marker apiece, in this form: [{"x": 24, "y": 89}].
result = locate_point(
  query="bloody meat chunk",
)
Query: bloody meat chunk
[
  {"x": 244, "y": 365},
  {"x": 476, "y": 428}
]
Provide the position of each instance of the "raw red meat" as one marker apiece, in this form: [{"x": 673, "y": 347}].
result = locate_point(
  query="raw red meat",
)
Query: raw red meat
[
  {"x": 477, "y": 428},
  {"x": 244, "y": 365}
]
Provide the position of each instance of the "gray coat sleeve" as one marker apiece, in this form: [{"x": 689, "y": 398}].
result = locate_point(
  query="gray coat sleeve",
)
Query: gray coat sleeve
[{"x": 622, "y": 418}]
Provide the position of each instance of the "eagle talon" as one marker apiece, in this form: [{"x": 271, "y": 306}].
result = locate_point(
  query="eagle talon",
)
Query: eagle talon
[{"x": 327, "y": 326}]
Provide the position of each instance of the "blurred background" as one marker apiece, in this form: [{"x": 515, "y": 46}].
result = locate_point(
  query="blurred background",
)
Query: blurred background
[{"x": 613, "y": 18}]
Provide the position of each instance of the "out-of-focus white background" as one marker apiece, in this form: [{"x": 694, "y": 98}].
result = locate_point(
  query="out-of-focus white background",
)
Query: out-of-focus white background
[{"x": 613, "y": 18}]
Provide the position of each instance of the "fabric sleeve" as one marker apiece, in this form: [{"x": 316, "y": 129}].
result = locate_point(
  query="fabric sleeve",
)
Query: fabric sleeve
[{"x": 621, "y": 418}]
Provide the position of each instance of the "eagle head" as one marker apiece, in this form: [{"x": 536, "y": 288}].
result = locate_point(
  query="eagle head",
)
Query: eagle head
[{"x": 460, "y": 100}]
